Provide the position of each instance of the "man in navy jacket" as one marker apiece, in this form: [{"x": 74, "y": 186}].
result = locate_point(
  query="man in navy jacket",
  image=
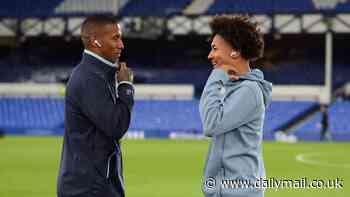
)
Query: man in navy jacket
[{"x": 98, "y": 104}]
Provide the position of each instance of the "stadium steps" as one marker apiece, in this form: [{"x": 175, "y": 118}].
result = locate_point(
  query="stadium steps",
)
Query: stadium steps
[
  {"x": 198, "y": 7},
  {"x": 338, "y": 123},
  {"x": 296, "y": 121},
  {"x": 281, "y": 113}
]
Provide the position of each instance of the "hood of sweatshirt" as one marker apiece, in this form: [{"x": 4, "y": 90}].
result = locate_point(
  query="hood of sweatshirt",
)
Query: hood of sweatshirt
[{"x": 265, "y": 86}]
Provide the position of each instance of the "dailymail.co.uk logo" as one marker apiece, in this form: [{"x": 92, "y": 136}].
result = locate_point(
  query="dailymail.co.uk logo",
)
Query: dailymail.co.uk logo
[{"x": 327, "y": 4}]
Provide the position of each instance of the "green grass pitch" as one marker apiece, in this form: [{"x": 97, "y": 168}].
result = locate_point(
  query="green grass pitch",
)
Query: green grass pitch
[{"x": 169, "y": 168}]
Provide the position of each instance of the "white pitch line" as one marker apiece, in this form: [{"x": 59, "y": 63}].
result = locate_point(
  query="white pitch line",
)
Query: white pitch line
[{"x": 305, "y": 158}]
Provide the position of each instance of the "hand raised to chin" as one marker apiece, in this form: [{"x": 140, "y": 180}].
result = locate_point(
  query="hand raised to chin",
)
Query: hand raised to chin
[{"x": 231, "y": 71}]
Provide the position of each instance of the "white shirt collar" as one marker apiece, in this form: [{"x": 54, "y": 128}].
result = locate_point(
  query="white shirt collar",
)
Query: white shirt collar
[{"x": 100, "y": 58}]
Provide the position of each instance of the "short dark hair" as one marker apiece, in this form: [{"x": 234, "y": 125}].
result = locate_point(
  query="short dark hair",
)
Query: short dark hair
[
  {"x": 91, "y": 26},
  {"x": 242, "y": 34},
  {"x": 98, "y": 20}
]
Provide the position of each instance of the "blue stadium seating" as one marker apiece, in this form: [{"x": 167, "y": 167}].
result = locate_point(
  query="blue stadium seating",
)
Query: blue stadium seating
[
  {"x": 163, "y": 117},
  {"x": 273, "y": 6},
  {"x": 310, "y": 74},
  {"x": 21, "y": 8},
  {"x": 22, "y": 115},
  {"x": 15, "y": 73},
  {"x": 242, "y": 6},
  {"x": 183, "y": 116},
  {"x": 153, "y": 7},
  {"x": 26, "y": 8},
  {"x": 338, "y": 123},
  {"x": 155, "y": 118},
  {"x": 298, "y": 74},
  {"x": 282, "y": 112}
]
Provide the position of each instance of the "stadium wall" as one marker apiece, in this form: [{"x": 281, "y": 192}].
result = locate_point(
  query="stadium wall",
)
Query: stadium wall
[
  {"x": 169, "y": 91},
  {"x": 153, "y": 92},
  {"x": 301, "y": 92}
]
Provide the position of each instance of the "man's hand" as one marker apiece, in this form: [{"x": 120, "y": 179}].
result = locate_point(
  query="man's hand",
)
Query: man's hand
[
  {"x": 230, "y": 70},
  {"x": 124, "y": 73}
]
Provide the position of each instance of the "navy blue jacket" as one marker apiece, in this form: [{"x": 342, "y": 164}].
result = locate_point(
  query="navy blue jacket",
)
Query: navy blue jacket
[{"x": 96, "y": 118}]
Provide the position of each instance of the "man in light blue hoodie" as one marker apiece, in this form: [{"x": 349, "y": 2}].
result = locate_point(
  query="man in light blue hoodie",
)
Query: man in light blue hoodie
[{"x": 232, "y": 108}]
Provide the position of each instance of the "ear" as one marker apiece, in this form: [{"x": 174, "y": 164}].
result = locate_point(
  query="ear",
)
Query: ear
[
  {"x": 97, "y": 43},
  {"x": 234, "y": 54}
]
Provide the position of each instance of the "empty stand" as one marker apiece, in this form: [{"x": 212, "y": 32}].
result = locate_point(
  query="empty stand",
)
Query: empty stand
[
  {"x": 20, "y": 115},
  {"x": 156, "y": 118},
  {"x": 338, "y": 123},
  {"x": 154, "y": 7},
  {"x": 274, "y": 6},
  {"x": 20, "y": 8}
]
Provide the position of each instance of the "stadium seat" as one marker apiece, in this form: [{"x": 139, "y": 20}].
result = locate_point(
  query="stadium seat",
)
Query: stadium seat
[
  {"x": 160, "y": 117},
  {"x": 153, "y": 7},
  {"x": 338, "y": 123},
  {"x": 20, "y": 8},
  {"x": 272, "y": 6},
  {"x": 24, "y": 114}
]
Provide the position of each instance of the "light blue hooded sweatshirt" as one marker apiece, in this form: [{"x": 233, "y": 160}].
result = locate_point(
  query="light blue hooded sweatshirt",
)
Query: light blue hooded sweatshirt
[{"x": 232, "y": 113}]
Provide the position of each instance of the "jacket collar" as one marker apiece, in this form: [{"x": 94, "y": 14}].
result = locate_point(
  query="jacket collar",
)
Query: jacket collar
[
  {"x": 98, "y": 66},
  {"x": 100, "y": 58}
]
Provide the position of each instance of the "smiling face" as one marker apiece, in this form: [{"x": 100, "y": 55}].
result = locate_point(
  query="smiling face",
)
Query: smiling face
[
  {"x": 111, "y": 44},
  {"x": 220, "y": 52}
]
